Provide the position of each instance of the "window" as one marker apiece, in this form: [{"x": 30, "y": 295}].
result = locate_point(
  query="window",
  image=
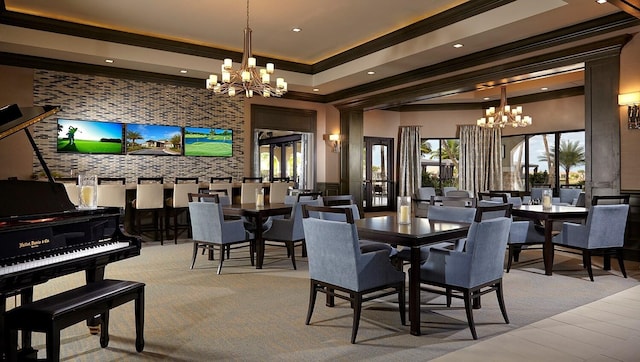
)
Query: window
[
  {"x": 529, "y": 160},
  {"x": 440, "y": 162}
]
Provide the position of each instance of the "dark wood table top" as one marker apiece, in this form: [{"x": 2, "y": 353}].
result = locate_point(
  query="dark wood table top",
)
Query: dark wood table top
[
  {"x": 248, "y": 209},
  {"x": 555, "y": 212},
  {"x": 421, "y": 231}
]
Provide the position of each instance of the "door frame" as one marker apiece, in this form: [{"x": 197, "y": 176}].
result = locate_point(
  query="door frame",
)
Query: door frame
[{"x": 368, "y": 182}]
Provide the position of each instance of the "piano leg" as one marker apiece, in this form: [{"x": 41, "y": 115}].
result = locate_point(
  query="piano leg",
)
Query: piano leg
[{"x": 94, "y": 275}]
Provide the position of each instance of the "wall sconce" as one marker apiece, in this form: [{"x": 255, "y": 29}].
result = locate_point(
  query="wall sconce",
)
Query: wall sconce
[
  {"x": 334, "y": 141},
  {"x": 631, "y": 100}
]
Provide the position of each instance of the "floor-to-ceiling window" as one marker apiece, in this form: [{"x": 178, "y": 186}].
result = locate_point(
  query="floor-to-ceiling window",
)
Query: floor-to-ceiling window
[
  {"x": 440, "y": 162},
  {"x": 530, "y": 160}
]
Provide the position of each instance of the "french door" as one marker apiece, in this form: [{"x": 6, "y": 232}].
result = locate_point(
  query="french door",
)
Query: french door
[{"x": 377, "y": 172}]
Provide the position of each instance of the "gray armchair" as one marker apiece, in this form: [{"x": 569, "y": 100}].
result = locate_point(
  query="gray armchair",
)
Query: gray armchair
[
  {"x": 289, "y": 231},
  {"x": 209, "y": 229},
  {"x": 475, "y": 271},
  {"x": 338, "y": 268},
  {"x": 422, "y": 200},
  {"x": 603, "y": 233},
  {"x": 566, "y": 197}
]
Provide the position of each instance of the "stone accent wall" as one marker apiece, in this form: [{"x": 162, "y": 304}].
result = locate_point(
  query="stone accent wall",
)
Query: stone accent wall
[{"x": 117, "y": 100}]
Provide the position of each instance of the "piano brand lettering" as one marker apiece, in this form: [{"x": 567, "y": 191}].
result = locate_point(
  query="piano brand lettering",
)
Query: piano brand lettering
[{"x": 33, "y": 243}]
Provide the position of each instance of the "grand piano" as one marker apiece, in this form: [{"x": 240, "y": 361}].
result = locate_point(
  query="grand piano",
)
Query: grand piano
[{"x": 43, "y": 235}]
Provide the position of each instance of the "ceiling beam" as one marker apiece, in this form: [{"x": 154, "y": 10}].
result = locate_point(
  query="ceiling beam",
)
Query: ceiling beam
[{"x": 631, "y": 7}]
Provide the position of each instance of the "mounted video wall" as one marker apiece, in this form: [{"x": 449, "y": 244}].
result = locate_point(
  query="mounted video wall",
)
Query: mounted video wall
[{"x": 97, "y": 137}]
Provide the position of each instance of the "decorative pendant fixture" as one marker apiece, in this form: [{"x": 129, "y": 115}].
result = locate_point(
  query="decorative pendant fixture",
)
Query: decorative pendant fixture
[
  {"x": 248, "y": 79},
  {"x": 504, "y": 115}
]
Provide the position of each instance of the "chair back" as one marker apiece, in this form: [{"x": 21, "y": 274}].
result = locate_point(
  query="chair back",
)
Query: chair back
[
  {"x": 606, "y": 225},
  {"x": 112, "y": 180},
  {"x": 181, "y": 193},
  {"x": 248, "y": 192},
  {"x": 228, "y": 179},
  {"x": 222, "y": 189},
  {"x": 145, "y": 180},
  {"x": 569, "y": 196},
  {"x": 344, "y": 213},
  {"x": 281, "y": 179},
  {"x": 338, "y": 200},
  {"x": 447, "y": 189},
  {"x": 149, "y": 196},
  {"x": 457, "y": 193},
  {"x": 610, "y": 199},
  {"x": 456, "y": 201},
  {"x": 297, "y": 231},
  {"x": 494, "y": 196},
  {"x": 278, "y": 191},
  {"x": 492, "y": 209},
  {"x": 252, "y": 179},
  {"x": 451, "y": 213},
  {"x": 486, "y": 243},
  {"x": 112, "y": 195},
  {"x": 206, "y": 221},
  {"x": 425, "y": 193}
]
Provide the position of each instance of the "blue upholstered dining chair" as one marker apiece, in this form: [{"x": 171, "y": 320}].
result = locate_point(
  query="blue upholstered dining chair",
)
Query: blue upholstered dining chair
[
  {"x": 366, "y": 246},
  {"x": 603, "y": 233},
  {"x": 422, "y": 200},
  {"x": 338, "y": 268},
  {"x": 209, "y": 229},
  {"x": 289, "y": 231},
  {"x": 475, "y": 271}
]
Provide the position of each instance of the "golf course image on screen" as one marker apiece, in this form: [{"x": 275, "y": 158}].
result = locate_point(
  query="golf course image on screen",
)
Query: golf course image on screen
[
  {"x": 215, "y": 142},
  {"x": 92, "y": 137}
]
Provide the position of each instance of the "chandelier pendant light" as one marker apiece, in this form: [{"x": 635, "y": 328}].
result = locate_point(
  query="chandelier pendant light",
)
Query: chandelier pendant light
[
  {"x": 249, "y": 79},
  {"x": 504, "y": 115}
]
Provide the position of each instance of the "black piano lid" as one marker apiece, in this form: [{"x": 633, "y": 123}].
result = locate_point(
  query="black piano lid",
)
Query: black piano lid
[{"x": 14, "y": 118}]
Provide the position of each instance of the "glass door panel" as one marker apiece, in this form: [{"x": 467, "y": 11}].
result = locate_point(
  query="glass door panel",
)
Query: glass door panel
[{"x": 379, "y": 188}]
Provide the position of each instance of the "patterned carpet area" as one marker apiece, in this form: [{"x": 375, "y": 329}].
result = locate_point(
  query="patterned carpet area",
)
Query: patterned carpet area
[{"x": 246, "y": 314}]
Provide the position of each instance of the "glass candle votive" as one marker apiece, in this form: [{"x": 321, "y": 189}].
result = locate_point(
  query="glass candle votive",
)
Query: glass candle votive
[
  {"x": 260, "y": 197},
  {"x": 87, "y": 186},
  {"x": 546, "y": 199},
  {"x": 404, "y": 210}
]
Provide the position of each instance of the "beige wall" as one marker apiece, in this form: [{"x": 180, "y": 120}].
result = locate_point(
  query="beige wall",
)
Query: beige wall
[
  {"x": 16, "y": 154},
  {"x": 629, "y": 138}
]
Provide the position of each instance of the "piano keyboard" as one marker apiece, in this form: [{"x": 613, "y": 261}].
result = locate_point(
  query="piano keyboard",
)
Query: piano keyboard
[{"x": 65, "y": 256}]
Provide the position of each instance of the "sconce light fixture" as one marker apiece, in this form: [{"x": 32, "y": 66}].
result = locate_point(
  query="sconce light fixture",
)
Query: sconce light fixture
[
  {"x": 631, "y": 100},
  {"x": 334, "y": 141}
]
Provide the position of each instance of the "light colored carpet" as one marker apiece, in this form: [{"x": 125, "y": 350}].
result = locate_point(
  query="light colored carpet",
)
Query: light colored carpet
[{"x": 246, "y": 314}]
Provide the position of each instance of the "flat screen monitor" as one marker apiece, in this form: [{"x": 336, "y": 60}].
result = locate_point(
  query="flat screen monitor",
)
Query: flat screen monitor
[
  {"x": 216, "y": 142},
  {"x": 92, "y": 137},
  {"x": 155, "y": 140}
]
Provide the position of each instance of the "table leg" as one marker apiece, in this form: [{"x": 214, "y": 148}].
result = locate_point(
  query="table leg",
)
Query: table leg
[
  {"x": 414, "y": 292},
  {"x": 259, "y": 242},
  {"x": 547, "y": 249}
]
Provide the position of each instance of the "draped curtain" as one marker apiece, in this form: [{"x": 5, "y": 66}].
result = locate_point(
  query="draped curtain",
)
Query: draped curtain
[
  {"x": 480, "y": 158},
  {"x": 409, "y": 161}
]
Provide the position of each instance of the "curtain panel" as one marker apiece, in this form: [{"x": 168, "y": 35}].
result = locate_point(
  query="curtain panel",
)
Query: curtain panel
[
  {"x": 409, "y": 172},
  {"x": 480, "y": 158}
]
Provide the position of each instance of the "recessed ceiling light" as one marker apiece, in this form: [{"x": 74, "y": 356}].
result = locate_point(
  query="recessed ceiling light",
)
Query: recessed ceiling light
[
  {"x": 296, "y": 30},
  {"x": 316, "y": 90},
  {"x": 544, "y": 88},
  {"x": 486, "y": 98},
  {"x": 601, "y": 1},
  {"x": 108, "y": 60},
  {"x": 183, "y": 71},
  {"x": 371, "y": 72},
  {"x": 458, "y": 45}
]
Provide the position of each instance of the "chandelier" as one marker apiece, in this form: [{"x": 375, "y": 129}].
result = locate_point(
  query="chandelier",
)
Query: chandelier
[
  {"x": 504, "y": 115},
  {"x": 248, "y": 79}
]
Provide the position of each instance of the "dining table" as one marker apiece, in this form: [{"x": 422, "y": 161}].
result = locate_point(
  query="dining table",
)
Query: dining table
[
  {"x": 419, "y": 232},
  {"x": 259, "y": 214},
  {"x": 548, "y": 216}
]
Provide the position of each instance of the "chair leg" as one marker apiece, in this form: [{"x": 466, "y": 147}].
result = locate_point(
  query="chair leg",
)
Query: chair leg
[
  {"x": 251, "y": 248},
  {"x": 586, "y": 256},
  {"x": 331, "y": 300},
  {"x": 357, "y": 309},
  {"x": 468, "y": 308},
  {"x": 175, "y": 227},
  {"x": 503, "y": 309},
  {"x": 448, "y": 294},
  {"x": 221, "y": 258},
  {"x": 510, "y": 257},
  {"x": 620, "y": 256},
  {"x": 401, "y": 304},
  {"x": 195, "y": 252},
  {"x": 291, "y": 251},
  {"x": 312, "y": 301}
]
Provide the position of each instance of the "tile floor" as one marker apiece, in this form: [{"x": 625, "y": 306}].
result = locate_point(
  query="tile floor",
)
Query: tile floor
[{"x": 605, "y": 330}]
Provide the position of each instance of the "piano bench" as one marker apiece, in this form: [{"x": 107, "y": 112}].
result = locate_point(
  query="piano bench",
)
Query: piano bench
[{"x": 52, "y": 314}]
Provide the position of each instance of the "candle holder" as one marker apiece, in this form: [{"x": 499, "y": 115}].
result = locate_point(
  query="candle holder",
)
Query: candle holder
[
  {"x": 404, "y": 210},
  {"x": 546, "y": 199},
  {"x": 260, "y": 197},
  {"x": 87, "y": 186}
]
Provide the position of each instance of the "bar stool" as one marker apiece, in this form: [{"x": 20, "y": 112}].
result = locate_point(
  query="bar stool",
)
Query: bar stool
[
  {"x": 179, "y": 204},
  {"x": 227, "y": 179},
  {"x": 224, "y": 190},
  {"x": 149, "y": 200},
  {"x": 252, "y": 179},
  {"x": 278, "y": 191}
]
